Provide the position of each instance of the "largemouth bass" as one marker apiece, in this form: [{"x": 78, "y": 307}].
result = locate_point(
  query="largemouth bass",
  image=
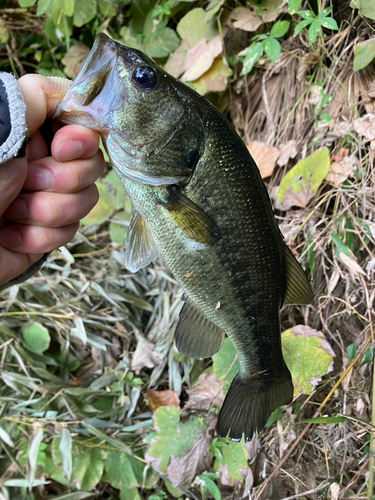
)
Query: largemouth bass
[{"x": 201, "y": 204}]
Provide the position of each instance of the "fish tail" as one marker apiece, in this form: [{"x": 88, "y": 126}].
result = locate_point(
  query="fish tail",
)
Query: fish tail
[{"x": 250, "y": 402}]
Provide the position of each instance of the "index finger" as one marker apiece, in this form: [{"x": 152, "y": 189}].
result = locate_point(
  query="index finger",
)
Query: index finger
[{"x": 41, "y": 96}]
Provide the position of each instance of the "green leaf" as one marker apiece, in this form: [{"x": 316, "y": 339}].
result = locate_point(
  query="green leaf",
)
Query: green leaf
[
  {"x": 272, "y": 49},
  {"x": 77, "y": 495},
  {"x": 367, "y": 356},
  {"x": 161, "y": 43},
  {"x": 307, "y": 355},
  {"x": 314, "y": 31},
  {"x": 366, "y": 7},
  {"x": 118, "y": 231},
  {"x": 351, "y": 351},
  {"x": 26, "y": 3},
  {"x": 65, "y": 449},
  {"x": 364, "y": 53},
  {"x": 36, "y": 338},
  {"x": 84, "y": 12},
  {"x": 340, "y": 246},
  {"x": 234, "y": 458},
  {"x": 195, "y": 26},
  {"x": 4, "y": 436},
  {"x": 306, "y": 14},
  {"x": 329, "y": 23},
  {"x": 4, "y": 32},
  {"x": 225, "y": 364},
  {"x": 274, "y": 417},
  {"x": 279, "y": 29},
  {"x": 207, "y": 479},
  {"x": 173, "y": 437},
  {"x": 87, "y": 465},
  {"x": 32, "y": 455},
  {"x": 322, "y": 420},
  {"x": 293, "y": 6},
  {"x": 301, "y": 183},
  {"x": 105, "y": 207},
  {"x": 252, "y": 56},
  {"x": 124, "y": 472},
  {"x": 45, "y": 7},
  {"x": 68, "y": 7},
  {"x": 300, "y": 26}
]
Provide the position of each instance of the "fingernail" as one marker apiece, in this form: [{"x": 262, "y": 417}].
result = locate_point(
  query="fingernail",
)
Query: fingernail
[
  {"x": 39, "y": 177},
  {"x": 68, "y": 150}
]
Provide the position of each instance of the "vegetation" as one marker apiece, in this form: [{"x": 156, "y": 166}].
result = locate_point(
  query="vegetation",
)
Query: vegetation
[{"x": 95, "y": 401}]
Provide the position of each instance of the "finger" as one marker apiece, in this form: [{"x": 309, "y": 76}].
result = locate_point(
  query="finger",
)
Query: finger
[
  {"x": 74, "y": 141},
  {"x": 52, "y": 209},
  {"x": 15, "y": 263},
  {"x": 26, "y": 238},
  {"x": 12, "y": 177},
  {"x": 41, "y": 96},
  {"x": 47, "y": 174},
  {"x": 37, "y": 147}
]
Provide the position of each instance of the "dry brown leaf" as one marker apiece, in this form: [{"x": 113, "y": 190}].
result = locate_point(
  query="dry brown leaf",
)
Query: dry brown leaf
[
  {"x": 245, "y": 19},
  {"x": 182, "y": 471},
  {"x": 265, "y": 157},
  {"x": 215, "y": 79},
  {"x": 365, "y": 126},
  {"x": 340, "y": 171},
  {"x": 371, "y": 90},
  {"x": 74, "y": 59},
  {"x": 207, "y": 392},
  {"x": 162, "y": 398},
  {"x": 145, "y": 356},
  {"x": 351, "y": 264},
  {"x": 226, "y": 479},
  {"x": 273, "y": 10},
  {"x": 287, "y": 150},
  {"x": 340, "y": 155},
  {"x": 199, "y": 59},
  {"x": 176, "y": 63}
]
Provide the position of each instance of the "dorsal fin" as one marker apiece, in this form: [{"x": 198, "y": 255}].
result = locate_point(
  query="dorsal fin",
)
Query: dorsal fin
[
  {"x": 298, "y": 290},
  {"x": 141, "y": 248},
  {"x": 197, "y": 336}
]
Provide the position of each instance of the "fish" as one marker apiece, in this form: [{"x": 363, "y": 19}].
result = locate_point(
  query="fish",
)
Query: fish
[{"x": 199, "y": 203}]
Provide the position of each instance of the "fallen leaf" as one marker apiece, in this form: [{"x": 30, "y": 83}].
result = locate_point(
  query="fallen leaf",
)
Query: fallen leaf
[
  {"x": 195, "y": 26},
  {"x": 206, "y": 393},
  {"x": 334, "y": 489},
  {"x": 287, "y": 150},
  {"x": 371, "y": 90},
  {"x": 341, "y": 155},
  {"x": 301, "y": 183},
  {"x": 365, "y": 126},
  {"x": 351, "y": 264},
  {"x": 162, "y": 398},
  {"x": 233, "y": 468},
  {"x": 364, "y": 53},
  {"x": 176, "y": 63},
  {"x": 245, "y": 19},
  {"x": 215, "y": 79},
  {"x": 74, "y": 59},
  {"x": 340, "y": 171},
  {"x": 308, "y": 356},
  {"x": 145, "y": 356},
  {"x": 225, "y": 364},
  {"x": 199, "y": 58},
  {"x": 272, "y": 9},
  {"x": 178, "y": 445},
  {"x": 265, "y": 157},
  {"x": 183, "y": 470}
]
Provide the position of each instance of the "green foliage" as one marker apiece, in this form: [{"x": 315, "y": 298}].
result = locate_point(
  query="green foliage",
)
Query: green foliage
[
  {"x": 36, "y": 338},
  {"x": 264, "y": 44},
  {"x": 364, "y": 54},
  {"x": 315, "y": 23},
  {"x": 225, "y": 364}
]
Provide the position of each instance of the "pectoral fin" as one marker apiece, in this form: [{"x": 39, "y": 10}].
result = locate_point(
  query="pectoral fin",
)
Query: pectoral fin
[
  {"x": 298, "y": 290},
  {"x": 197, "y": 336},
  {"x": 192, "y": 220},
  {"x": 141, "y": 248}
]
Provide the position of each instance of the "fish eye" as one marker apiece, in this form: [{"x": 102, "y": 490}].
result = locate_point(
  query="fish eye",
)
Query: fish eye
[{"x": 144, "y": 77}]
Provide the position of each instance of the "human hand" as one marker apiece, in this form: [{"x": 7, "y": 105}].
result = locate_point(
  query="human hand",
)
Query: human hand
[{"x": 42, "y": 198}]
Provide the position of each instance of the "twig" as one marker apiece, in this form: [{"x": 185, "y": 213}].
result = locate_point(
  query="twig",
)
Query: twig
[{"x": 318, "y": 488}]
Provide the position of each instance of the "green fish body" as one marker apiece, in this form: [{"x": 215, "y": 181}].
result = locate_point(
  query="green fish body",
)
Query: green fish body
[{"x": 201, "y": 204}]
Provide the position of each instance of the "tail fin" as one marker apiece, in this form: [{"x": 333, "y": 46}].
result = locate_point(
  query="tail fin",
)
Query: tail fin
[{"x": 249, "y": 403}]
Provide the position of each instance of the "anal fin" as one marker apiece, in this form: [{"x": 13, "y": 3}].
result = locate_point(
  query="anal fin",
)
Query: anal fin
[
  {"x": 298, "y": 290},
  {"x": 196, "y": 335},
  {"x": 141, "y": 248}
]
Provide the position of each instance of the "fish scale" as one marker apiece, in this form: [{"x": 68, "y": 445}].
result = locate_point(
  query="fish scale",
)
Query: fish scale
[{"x": 201, "y": 204}]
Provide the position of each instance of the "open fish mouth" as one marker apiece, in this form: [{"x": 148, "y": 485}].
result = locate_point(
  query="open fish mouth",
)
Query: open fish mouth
[{"x": 97, "y": 99}]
